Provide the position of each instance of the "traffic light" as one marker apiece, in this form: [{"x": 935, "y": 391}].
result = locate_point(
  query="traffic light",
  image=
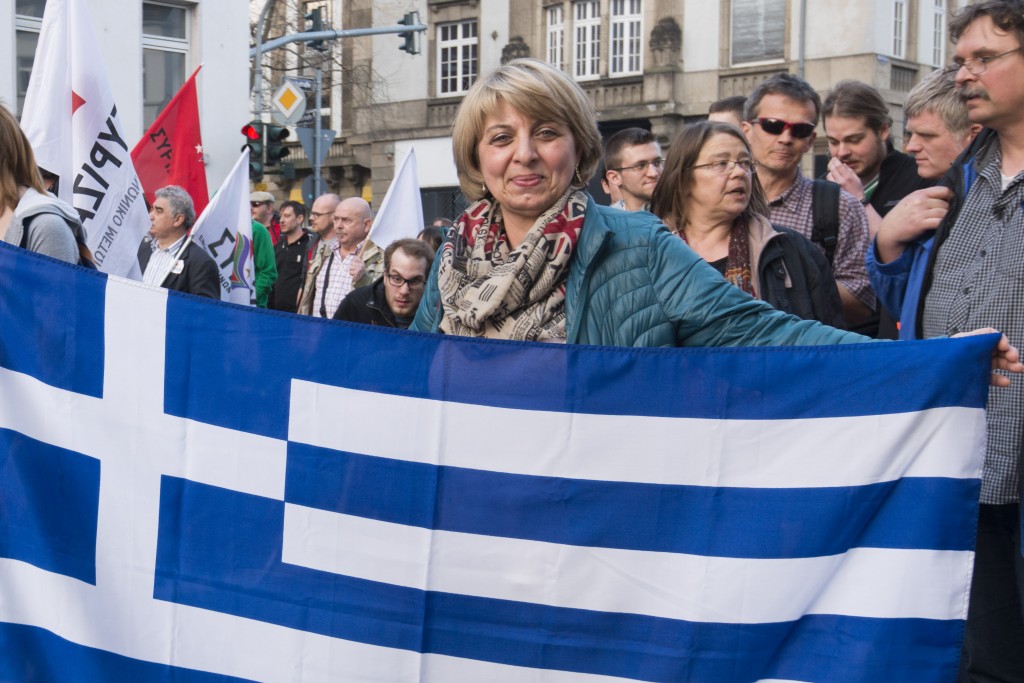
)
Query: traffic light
[
  {"x": 253, "y": 132},
  {"x": 411, "y": 38},
  {"x": 316, "y": 24},
  {"x": 276, "y": 150}
]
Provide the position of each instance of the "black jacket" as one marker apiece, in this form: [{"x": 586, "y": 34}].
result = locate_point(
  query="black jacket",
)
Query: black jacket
[
  {"x": 369, "y": 305},
  {"x": 812, "y": 293},
  {"x": 896, "y": 179},
  {"x": 199, "y": 274}
]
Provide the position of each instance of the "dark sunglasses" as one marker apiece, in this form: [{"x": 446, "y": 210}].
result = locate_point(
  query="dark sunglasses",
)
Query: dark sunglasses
[{"x": 776, "y": 126}]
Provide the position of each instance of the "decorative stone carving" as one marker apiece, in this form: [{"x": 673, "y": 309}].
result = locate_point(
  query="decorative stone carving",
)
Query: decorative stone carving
[
  {"x": 515, "y": 49},
  {"x": 666, "y": 42}
]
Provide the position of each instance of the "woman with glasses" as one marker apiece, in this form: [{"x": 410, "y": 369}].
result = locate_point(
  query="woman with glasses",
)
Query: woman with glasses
[
  {"x": 535, "y": 258},
  {"x": 709, "y": 195}
]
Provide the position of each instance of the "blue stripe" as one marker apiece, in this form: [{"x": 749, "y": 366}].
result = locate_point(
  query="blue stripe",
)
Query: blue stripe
[
  {"x": 221, "y": 550},
  {"x": 29, "y": 653},
  {"x": 49, "y": 504},
  {"x": 52, "y": 313},
  {"x": 218, "y": 383},
  {"x": 755, "y": 523}
]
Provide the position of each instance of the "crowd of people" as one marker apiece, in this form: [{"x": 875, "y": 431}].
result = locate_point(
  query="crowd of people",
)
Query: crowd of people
[{"x": 723, "y": 241}]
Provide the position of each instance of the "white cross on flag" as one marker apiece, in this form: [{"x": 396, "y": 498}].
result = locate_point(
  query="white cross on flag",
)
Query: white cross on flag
[{"x": 197, "y": 491}]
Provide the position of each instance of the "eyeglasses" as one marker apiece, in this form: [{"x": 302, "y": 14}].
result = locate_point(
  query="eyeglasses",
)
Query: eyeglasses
[
  {"x": 318, "y": 214},
  {"x": 776, "y": 126},
  {"x": 255, "y": 204},
  {"x": 657, "y": 163},
  {"x": 977, "y": 65},
  {"x": 725, "y": 166},
  {"x": 396, "y": 280}
]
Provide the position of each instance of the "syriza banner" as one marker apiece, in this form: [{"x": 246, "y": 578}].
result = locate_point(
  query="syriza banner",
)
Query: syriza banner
[
  {"x": 224, "y": 231},
  {"x": 71, "y": 120},
  {"x": 197, "y": 491}
]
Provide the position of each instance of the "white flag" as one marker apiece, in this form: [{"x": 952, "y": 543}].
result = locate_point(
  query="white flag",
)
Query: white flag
[
  {"x": 224, "y": 231},
  {"x": 71, "y": 120},
  {"x": 401, "y": 213}
]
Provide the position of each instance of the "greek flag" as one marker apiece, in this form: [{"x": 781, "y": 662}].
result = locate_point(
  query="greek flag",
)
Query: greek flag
[{"x": 192, "y": 490}]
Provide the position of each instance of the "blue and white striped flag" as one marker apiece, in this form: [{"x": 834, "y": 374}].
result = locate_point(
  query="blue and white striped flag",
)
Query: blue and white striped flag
[{"x": 197, "y": 491}]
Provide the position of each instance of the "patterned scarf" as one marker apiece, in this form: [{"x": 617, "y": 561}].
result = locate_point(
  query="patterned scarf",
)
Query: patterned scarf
[
  {"x": 490, "y": 290},
  {"x": 737, "y": 263}
]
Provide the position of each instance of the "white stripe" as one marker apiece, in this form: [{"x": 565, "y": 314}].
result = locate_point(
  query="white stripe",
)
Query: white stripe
[
  {"x": 865, "y": 582},
  {"x": 740, "y": 453}
]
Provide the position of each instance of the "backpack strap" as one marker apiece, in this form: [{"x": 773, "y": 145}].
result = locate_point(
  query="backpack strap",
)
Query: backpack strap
[
  {"x": 825, "y": 213},
  {"x": 24, "y": 232},
  {"x": 85, "y": 257}
]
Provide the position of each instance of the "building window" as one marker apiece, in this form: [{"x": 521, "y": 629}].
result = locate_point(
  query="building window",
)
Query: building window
[
  {"x": 165, "y": 47},
  {"x": 28, "y": 21},
  {"x": 758, "y": 30},
  {"x": 626, "y": 38},
  {"x": 456, "y": 57},
  {"x": 938, "y": 33},
  {"x": 587, "y": 44},
  {"x": 556, "y": 36},
  {"x": 899, "y": 27}
]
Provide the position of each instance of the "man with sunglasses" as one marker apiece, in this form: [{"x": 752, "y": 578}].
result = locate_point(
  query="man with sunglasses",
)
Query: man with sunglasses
[
  {"x": 779, "y": 120},
  {"x": 261, "y": 204},
  {"x": 392, "y": 300},
  {"x": 634, "y": 163}
]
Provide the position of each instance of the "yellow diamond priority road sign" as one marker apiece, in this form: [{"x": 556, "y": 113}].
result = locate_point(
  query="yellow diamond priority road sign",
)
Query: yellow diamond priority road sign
[{"x": 289, "y": 104}]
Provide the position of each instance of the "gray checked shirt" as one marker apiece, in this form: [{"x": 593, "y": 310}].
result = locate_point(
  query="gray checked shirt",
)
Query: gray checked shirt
[{"x": 979, "y": 272}]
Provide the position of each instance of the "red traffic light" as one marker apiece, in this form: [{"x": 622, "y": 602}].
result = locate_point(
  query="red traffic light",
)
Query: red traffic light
[{"x": 249, "y": 131}]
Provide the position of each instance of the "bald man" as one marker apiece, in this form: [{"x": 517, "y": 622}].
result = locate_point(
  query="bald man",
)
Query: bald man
[{"x": 354, "y": 261}]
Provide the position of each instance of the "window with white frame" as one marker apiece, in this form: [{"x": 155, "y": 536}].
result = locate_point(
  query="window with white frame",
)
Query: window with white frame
[
  {"x": 165, "y": 50},
  {"x": 626, "y": 30},
  {"x": 938, "y": 33},
  {"x": 587, "y": 39},
  {"x": 556, "y": 36},
  {"x": 456, "y": 57},
  {"x": 28, "y": 21},
  {"x": 757, "y": 31},
  {"x": 899, "y": 28}
]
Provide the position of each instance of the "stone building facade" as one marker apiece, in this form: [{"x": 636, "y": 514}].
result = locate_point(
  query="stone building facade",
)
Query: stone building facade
[{"x": 653, "y": 63}]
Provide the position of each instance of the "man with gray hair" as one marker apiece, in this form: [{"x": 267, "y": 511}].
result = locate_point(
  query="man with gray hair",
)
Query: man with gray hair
[
  {"x": 161, "y": 257},
  {"x": 937, "y": 127},
  {"x": 938, "y": 131}
]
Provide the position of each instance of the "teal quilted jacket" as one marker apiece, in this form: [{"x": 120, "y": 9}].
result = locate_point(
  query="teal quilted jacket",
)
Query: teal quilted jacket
[{"x": 633, "y": 283}]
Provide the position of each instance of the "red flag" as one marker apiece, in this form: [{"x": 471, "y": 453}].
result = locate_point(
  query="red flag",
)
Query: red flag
[{"x": 171, "y": 151}]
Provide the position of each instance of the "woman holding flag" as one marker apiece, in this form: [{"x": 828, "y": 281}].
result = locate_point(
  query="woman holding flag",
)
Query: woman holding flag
[{"x": 535, "y": 258}]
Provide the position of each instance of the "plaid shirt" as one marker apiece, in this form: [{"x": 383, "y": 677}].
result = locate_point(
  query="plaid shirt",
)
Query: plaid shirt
[
  {"x": 793, "y": 209},
  {"x": 977, "y": 283},
  {"x": 334, "y": 282}
]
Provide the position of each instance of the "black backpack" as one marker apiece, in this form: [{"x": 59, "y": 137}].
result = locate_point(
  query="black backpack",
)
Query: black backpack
[
  {"x": 84, "y": 254},
  {"x": 825, "y": 213}
]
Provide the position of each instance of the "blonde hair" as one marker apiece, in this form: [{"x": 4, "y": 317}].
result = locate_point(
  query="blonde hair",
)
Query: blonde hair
[
  {"x": 535, "y": 89},
  {"x": 17, "y": 161}
]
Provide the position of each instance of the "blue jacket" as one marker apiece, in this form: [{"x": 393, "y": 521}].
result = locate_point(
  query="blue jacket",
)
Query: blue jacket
[
  {"x": 900, "y": 283},
  {"x": 633, "y": 283}
]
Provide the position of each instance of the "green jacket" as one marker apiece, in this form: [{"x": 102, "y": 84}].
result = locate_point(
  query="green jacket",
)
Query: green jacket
[
  {"x": 633, "y": 283},
  {"x": 264, "y": 263}
]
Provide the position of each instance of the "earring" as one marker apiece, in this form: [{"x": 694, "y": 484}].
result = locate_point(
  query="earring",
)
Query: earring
[{"x": 483, "y": 188}]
